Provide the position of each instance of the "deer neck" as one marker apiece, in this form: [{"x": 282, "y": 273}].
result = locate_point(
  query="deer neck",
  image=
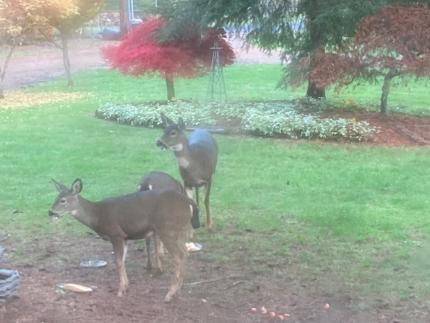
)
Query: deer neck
[
  {"x": 182, "y": 154},
  {"x": 86, "y": 212}
]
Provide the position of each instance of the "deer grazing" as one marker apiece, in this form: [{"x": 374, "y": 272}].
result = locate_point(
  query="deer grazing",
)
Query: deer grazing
[
  {"x": 196, "y": 155},
  {"x": 131, "y": 217},
  {"x": 159, "y": 181}
]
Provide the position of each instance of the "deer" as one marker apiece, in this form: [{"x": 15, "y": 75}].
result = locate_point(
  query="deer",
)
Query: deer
[
  {"x": 159, "y": 181},
  {"x": 196, "y": 155},
  {"x": 132, "y": 217}
]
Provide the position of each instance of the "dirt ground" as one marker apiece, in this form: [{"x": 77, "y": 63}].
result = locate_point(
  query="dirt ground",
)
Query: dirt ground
[
  {"x": 394, "y": 129},
  {"x": 214, "y": 290}
]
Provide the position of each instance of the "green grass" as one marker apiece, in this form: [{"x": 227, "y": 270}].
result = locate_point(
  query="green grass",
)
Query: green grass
[
  {"x": 405, "y": 97},
  {"x": 354, "y": 212},
  {"x": 241, "y": 83},
  {"x": 251, "y": 82}
]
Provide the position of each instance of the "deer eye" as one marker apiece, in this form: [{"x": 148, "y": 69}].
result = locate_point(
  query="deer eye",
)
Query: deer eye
[
  {"x": 63, "y": 201},
  {"x": 173, "y": 133}
]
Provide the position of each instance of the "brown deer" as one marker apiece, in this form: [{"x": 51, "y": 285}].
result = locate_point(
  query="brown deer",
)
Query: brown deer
[
  {"x": 160, "y": 181},
  {"x": 132, "y": 217},
  {"x": 196, "y": 155}
]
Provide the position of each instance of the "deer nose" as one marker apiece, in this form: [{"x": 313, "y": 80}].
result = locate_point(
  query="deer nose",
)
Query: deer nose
[
  {"x": 50, "y": 213},
  {"x": 161, "y": 144}
]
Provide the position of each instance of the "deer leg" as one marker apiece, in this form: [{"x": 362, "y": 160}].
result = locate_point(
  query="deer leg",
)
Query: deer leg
[
  {"x": 190, "y": 229},
  {"x": 120, "y": 249},
  {"x": 197, "y": 196},
  {"x": 158, "y": 247},
  {"x": 189, "y": 192},
  {"x": 148, "y": 252},
  {"x": 177, "y": 249},
  {"x": 208, "y": 214}
]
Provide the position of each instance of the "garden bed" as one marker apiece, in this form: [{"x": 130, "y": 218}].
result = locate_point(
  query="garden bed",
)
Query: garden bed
[{"x": 295, "y": 119}]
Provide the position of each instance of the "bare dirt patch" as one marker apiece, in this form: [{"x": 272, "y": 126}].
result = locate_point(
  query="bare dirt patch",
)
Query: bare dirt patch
[
  {"x": 33, "y": 64},
  {"x": 214, "y": 290},
  {"x": 393, "y": 129}
]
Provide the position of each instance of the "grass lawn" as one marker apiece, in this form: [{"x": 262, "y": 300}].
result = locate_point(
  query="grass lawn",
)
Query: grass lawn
[
  {"x": 355, "y": 213},
  {"x": 247, "y": 82}
]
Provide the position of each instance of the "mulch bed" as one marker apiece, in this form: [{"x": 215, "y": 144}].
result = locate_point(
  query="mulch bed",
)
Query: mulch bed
[{"x": 393, "y": 129}]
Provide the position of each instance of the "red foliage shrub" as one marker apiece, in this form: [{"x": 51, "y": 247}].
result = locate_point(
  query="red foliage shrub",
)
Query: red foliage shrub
[
  {"x": 140, "y": 53},
  {"x": 393, "y": 42}
]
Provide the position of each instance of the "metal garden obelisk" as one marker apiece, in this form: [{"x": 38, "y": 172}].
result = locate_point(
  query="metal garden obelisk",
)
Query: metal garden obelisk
[{"x": 216, "y": 88}]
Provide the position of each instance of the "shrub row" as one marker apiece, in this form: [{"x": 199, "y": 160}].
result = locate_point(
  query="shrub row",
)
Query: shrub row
[{"x": 286, "y": 119}]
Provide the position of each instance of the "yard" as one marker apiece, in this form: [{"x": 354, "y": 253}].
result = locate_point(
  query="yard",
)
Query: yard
[{"x": 322, "y": 231}]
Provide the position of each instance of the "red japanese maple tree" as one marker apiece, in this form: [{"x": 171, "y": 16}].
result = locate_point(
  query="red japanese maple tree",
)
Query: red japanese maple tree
[
  {"x": 141, "y": 53},
  {"x": 393, "y": 42}
]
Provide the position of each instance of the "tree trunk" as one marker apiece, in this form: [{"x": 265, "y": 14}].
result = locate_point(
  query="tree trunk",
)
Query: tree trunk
[
  {"x": 4, "y": 68},
  {"x": 124, "y": 19},
  {"x": 316, "y": 46},
  {"x": 66, "y": 60},
  {"x": 170, "y": 88},
  {"x": 385, "y": 91},
  {"x": 315, "y": 92}
]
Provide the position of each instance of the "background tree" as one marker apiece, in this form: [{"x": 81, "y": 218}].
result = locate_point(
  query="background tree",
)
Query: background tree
[
  {"x": 301, "y": 28},
  {"x": 13, "y": 26},
  {"x": 394, "y": 42},
  {"x": 141, "y": 53},
  {"x": 66, "y": 25},
  {"x": 19, "y": 21}
]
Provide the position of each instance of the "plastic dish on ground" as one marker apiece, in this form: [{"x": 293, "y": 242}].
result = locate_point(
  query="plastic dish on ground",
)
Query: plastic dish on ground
[{"x": 93, "y": 263}]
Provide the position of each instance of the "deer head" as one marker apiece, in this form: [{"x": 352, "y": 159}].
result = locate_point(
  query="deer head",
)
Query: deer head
[
  {"x": 67, "y": 200},
  {"x": 173, "y": 136}
]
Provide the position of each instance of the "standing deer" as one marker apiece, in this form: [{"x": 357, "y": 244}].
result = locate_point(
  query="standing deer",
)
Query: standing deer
[
  {"x": 132, "y": 217},
  {"x": 160, "y": 181},
  {"x": 197, "y": 157}
]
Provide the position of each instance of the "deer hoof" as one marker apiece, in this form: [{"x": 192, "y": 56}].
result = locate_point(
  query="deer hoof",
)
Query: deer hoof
[
  {"x": 168, "y": 298},
  {"x": 121, "y": 293},
  {"x": 156, "y": 271}
]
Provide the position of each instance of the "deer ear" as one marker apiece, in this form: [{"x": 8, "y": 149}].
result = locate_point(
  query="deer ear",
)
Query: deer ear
[
  {"x": 77, "y": 186},
  {"x": 60, "y": 187},
  {"x": 181, "y": 123},
  {"x": 166, "y": 120}
]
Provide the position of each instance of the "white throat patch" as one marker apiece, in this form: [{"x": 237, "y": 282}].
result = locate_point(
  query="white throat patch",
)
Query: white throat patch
[
  {"x": 183, "y": 162},
  {"x": 177, "y": 147}
]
